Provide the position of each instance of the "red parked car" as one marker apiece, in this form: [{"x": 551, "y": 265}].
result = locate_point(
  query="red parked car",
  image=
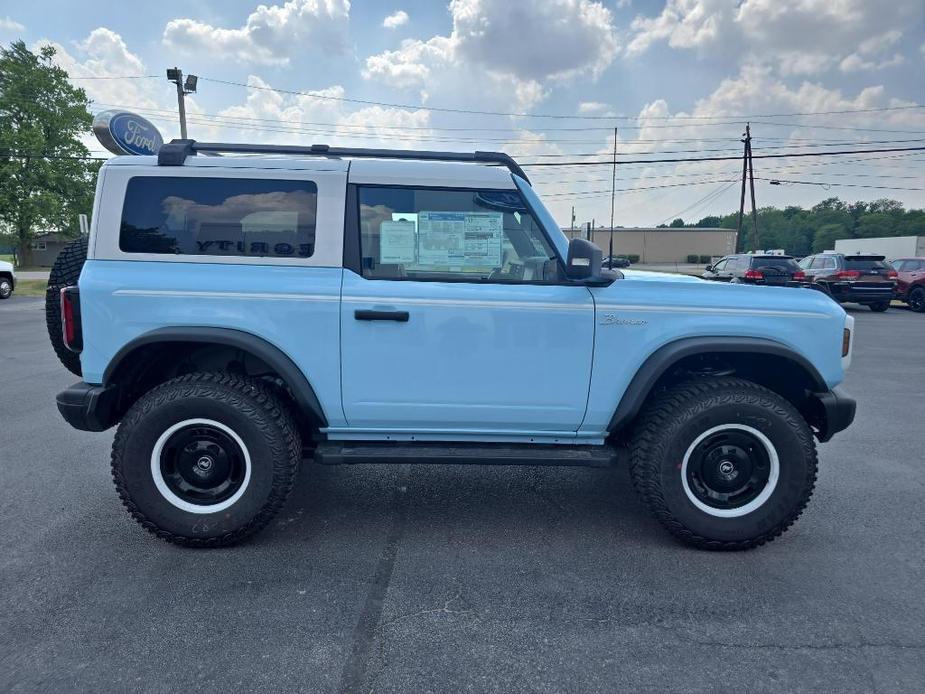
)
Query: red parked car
[{"x": 910, "y": 282}]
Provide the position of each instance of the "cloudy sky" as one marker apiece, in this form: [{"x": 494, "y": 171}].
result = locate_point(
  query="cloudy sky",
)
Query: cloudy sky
[{"x": 545, "y": 80}]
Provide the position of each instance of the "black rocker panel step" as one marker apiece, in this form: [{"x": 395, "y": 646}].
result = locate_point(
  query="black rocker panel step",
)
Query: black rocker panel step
[{"x": 339, "y": 452}]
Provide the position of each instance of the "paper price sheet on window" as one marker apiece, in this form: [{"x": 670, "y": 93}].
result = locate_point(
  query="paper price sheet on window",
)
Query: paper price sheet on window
[{"x": 459, "y": 240}]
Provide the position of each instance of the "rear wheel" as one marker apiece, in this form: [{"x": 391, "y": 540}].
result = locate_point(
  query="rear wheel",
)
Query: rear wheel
[
  {"x": 206, "y": 459},
  {"x": 917, "y": 299},
  {"x": 724, "y": 463},
  {"x": 880, "y": 306},
  {"x": 64, "y": 273}
]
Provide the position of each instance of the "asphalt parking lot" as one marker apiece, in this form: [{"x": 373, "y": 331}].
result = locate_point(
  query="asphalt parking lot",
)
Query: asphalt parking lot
[{"x": 400, "y": 579}]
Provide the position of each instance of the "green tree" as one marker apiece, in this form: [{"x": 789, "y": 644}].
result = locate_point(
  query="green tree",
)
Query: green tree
[
  {"x": 827, "y": 235},
  {"x": 45, "y": 177},
  {"x": 676, "y": 223}
]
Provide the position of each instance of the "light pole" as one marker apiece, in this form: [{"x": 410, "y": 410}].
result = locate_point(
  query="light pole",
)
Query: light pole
[{"x": 175, "y": 75}]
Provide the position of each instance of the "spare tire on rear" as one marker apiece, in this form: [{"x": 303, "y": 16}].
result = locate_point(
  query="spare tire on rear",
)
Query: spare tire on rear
[{"x": 64, "y": 273}]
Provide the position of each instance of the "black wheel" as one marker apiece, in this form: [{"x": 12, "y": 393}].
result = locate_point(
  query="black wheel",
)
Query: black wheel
[
  {"x": 64, "y": 273},
  {"x": 206, "y": 459},
  {"x": 916, "y": 299},
  {"x": 880, "y": 306},
  {"x": 6, "y": 288},
  {"x": 724, "y": 463}
]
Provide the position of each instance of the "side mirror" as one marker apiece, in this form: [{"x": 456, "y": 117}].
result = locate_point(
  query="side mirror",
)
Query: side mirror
[
  {"x": 584, "y": 260},
  {"x": 709, "y": 268}
]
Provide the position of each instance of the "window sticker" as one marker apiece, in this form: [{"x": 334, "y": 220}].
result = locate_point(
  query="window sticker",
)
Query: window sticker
[
  {"x": 397, "y": 242},
  {"x": 460, "y": 240}
]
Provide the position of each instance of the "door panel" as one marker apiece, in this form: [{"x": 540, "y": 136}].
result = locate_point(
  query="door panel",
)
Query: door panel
[{"x": 465, "y": 356}]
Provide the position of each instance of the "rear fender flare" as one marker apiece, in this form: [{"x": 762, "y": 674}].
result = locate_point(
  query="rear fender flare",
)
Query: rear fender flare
[{"x": 270, "y": 354}]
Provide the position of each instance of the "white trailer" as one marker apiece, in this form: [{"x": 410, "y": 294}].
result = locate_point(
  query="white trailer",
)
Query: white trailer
[{"x": 891, "y": 247}]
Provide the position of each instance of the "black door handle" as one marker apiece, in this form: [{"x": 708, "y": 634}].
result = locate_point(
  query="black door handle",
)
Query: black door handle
[{"x": 398, "y": 316}]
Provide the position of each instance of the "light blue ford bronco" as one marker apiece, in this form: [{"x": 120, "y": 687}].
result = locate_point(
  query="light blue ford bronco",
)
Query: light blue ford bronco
[{"x": 236, "y": 314}]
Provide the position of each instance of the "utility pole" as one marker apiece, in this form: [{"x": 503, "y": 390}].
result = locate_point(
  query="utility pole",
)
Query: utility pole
[
  {"x": 613, "y": 194},
  {"x": 175, "y": 75},
  {"x": 591, "y": 230},
  {"x": 749, "y": 173},
  {"x": 751, "y": 184},
  {"x": 573, "y": 219}
]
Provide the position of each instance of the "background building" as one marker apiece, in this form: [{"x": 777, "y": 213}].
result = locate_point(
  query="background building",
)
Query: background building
[
  {"x": 46, "y": 246},
  {"x": 664, "y": 245},
  {"x": 890, "y": 246}
]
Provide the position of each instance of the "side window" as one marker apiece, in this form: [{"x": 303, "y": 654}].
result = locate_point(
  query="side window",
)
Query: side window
[
  {"x": 806, "y": 262},
  {"x": 219, "y": 217},
  {"x": 721, "y": 265},
  {"x": 830, "y": 263},
  {"x": 903, "y": 265},
  {"x": 452, "y": 235}
]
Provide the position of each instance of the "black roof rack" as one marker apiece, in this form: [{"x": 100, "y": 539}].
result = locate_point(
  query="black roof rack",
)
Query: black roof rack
[{"x": 175, "y": 152}]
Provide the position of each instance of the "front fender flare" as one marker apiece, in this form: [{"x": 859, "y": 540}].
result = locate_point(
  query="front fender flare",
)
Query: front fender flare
[{"x": 667, "y": 355}]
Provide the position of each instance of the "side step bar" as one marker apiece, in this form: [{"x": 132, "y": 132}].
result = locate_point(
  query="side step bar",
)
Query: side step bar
[{"x": 340, "y": 452}]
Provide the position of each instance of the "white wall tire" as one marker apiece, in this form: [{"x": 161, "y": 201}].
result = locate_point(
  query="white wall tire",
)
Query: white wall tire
[
  {"x": 249, "y": 437},
  {"x": 722, "y": 513}
]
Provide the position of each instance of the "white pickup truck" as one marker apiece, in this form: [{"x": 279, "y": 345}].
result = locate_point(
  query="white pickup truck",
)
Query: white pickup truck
[{"x": 7, "y": 279}]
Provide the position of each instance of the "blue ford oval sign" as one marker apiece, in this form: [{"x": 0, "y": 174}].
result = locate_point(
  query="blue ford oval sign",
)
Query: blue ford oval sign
[{"x": 123, "y": 132}]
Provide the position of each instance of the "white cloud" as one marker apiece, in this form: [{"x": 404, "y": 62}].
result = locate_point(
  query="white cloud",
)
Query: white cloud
[
  {"x": 271, "y": 34},
  {"x": 499, "y": 55},
  {"x": 554, "y": 39},
  {"x": 871, "y": 53},
  {"x": 801, "y": 36},
  {"x": 296, "y": 119},
  {"x": 10, "y": 24},
  {"x": 592, "y": 107},
  {"x": 395, "y": 20},
  {"x": 104, "y": 54},
  {"x": 683, "y": 23}
]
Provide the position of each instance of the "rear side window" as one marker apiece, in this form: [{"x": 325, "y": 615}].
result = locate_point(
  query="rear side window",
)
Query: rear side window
[
  {"x": 219, "y": 217},
  {"x": 865, "y": 263}
]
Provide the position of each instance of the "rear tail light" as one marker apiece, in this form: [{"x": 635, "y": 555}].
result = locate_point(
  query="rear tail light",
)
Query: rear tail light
[
  {"x": 846, "y": 342},
  {"x": 70, "y": 319},
  {"x": 754, "y": 275},
  {"x": 799, "y": 275},
  {"x": 847, "y": 274},
  {"x": 892, "y": 274}
]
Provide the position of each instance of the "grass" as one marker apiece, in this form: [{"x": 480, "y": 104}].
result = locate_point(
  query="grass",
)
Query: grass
[
  {"x": 30, "y": 288},
  {"x": 7, "y": 257}
]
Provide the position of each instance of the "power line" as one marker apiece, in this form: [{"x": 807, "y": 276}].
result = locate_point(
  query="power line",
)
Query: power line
[
  {"x": 420, "y": 107},
  {"x": 114, "y": 77},
  {"x": 830, "y": 185},
  {"x": 757, "y": 156},
  {"x": 709, "y": 197}
]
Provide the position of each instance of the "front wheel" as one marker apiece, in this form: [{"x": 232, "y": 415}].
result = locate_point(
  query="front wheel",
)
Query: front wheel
[
  {"x": 206, "y": 459},
  {"x": 723, "y": 463},
  {"x": 6, "y": 288},
  {"x": 917, "y": 299}
]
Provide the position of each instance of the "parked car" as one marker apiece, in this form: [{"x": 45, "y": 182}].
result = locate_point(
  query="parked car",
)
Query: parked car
[
  {"x": 7, "y": 279},
  {"x": 910, "y": 282},
  {"x": 772, "y": 270},
  {"x": 237, "y": 314},
  {"x": 617, "y": 261},
  {"x": 863, "y": 279}
]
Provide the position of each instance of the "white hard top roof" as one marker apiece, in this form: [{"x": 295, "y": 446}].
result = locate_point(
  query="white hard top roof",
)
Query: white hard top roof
[{"x": 375, "y": 171}]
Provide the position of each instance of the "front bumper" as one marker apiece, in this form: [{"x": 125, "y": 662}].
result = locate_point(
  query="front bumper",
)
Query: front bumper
[
  {"x": 88, "y": 407},
  {"x": 831, "y": 412}
]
